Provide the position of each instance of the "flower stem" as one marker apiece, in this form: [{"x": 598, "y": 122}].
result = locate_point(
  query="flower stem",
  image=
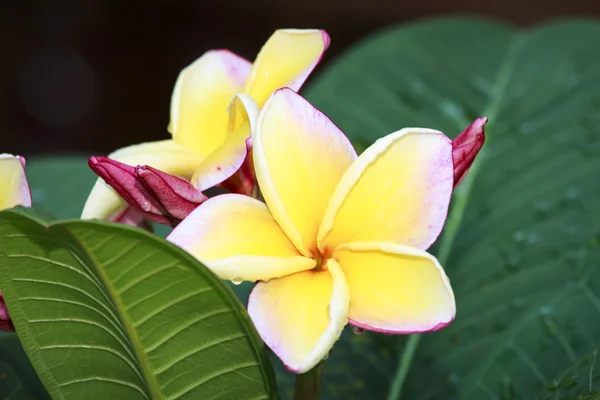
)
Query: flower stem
[
  {"x": 405, "y": 361},
  {"x": 308, "y": 385}
]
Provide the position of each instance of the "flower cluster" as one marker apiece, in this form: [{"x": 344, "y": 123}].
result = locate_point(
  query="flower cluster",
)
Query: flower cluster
[
  {"x": 213, "y": 103},
  {"x": 331, "y": 237}
]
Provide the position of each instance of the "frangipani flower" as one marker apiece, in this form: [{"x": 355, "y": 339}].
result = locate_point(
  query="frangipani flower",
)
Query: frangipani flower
[
  {"x": 209, "y": 144},
  {"x": 14, "y": 191},
  {"x": 340, "y": 239}
]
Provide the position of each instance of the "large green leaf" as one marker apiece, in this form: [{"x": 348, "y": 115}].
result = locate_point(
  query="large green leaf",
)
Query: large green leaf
[
  {"x": 107, "y": 311},
  {"x": 60, "y": 186},
  {"x": 521, "y": 243}
]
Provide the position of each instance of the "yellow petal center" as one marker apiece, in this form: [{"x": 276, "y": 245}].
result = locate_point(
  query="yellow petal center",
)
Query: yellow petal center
[{"x": 321, "y": 257}]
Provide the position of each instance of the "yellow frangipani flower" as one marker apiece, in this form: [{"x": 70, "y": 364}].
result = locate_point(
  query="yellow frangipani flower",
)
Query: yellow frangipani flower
[
  {"x": 14, "y": 189},
  {"x": 340, "y": 239},
  {"x": 209, "y": 143}
]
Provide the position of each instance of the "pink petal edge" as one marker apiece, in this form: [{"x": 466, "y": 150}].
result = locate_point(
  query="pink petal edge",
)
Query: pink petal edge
[
  {"x": 240, "y": 69},
  {"x": 297, "y": 83},
  {"x": 274, "y": 349},
  {"x": 437, "y": 327},
  {"x": 441, "y": 213}
]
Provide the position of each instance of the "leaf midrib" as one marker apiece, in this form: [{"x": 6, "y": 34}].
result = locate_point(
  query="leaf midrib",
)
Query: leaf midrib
[
  {"x": 150, "y": 378},
  {"x": 461, "y": 196},
  {"x": 221, "y": 291}
]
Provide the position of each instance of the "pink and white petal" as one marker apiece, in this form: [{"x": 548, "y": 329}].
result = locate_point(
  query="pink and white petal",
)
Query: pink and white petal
[
  {"x": 166, "y": 155},
  {"x": 286, "y": 60},
  {"x": 236, "y": 237},
  {"x": 299, "y": 158},
  {"x": 301, "y": 316},
  {"x": 227, "y": 159},
  {"x": 14, "y": 188},
  {"x": 200, "y": 98},
  {"x": 398, "y": 190},
  {"x": 395, "y": 288}
]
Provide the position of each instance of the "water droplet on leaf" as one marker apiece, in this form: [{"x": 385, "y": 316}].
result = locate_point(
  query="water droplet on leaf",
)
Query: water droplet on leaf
[
  {"x": 528, "y": 127},
  {"x": 452, "y": 109},
  {"x": 545, "y": 310},
  {"x": 519, "y": 236},
  {"x": 541, "y": 208},
  {"x": 572, "y": 194}
]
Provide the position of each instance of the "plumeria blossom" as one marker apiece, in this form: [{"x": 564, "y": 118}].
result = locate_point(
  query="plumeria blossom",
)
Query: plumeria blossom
[
  {"x": 210, "y": 140},
  {"x": 341, "y": 239},
  {"x": 14, "y": 191}
]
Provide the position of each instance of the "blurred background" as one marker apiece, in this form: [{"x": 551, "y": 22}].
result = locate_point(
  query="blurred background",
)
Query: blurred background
[{"x": 94, "y": 75}]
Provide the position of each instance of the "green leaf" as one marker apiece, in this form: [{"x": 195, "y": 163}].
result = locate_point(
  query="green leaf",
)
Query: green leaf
[
  {"x": 18, "y": 380},
  {"x": 581, "y": 377},
  {"x": 59, "y": 187},
  {"x": 108, "y": 311},
  {"x": 521, "y": 243}
]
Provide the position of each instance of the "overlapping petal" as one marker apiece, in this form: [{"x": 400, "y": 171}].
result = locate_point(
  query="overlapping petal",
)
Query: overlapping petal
[
  {"x": 286, "y": 60},
  {"x": 395, "y": 288},
  {"x": 200, "y": 99},
  {"x": 301, "y": 316},
  {"x": 14, "y": 189},
  {"x": 227, "y": 159},
  {"x": 299, "y": 158},
  {"x": 398, "y": 190},
  {"x": 238, "y": 239},
  {"x": 167, "y": 156}
]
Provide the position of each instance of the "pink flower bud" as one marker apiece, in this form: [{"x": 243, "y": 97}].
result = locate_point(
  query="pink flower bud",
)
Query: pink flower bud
[
  {"x": 177, "y": 196},
  {"x": 151, "y": 193},
  {"x": 466, "y": 146}
]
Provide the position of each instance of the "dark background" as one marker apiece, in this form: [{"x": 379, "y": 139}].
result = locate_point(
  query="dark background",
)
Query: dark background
[{"x": 92, "y": 75}]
